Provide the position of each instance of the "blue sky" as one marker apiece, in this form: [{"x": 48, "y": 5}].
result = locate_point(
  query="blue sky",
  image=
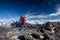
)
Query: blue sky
[{"x": 39, "y": 10}]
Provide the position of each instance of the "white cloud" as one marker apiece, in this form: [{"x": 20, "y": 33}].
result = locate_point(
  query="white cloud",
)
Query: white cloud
[
  {"x": 38, "y": 16},
  {"x": 42, "y": 21},
  {"x": 45, "y": 17},
  {"x": 57, "y": 13},
  {"x": 36, "y": 21},
  {"x": 29, "y": 21}
]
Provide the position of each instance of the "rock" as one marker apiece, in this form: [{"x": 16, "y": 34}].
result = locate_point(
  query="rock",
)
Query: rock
[
  {"x": 35, "y": 36},
  {"x": 12, "y": 33},
  {"x": 14, "y": 37},
  {"x": 21, "y": 37}
]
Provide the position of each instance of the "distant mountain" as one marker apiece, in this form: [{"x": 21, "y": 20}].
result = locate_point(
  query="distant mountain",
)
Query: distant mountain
[
  {"x": 47, "y": 24},
  {"x": 6, "y": 22},
  {"x": 58, "y": 23},
  {"x": 14, "y": 23}
]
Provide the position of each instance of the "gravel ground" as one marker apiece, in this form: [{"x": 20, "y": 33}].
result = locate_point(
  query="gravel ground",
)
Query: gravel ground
[{"x": 14, "y": 33}]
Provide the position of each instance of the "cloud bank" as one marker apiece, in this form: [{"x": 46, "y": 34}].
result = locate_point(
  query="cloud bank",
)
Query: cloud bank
[{"x": 44, "y": 18}]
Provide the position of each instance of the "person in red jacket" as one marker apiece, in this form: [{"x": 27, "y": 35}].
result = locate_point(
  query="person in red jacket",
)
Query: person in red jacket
[{"x": 23, "y": 19}]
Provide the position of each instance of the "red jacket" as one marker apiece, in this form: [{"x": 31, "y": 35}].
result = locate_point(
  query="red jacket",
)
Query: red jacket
[{"x": 23, "y": 20}]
